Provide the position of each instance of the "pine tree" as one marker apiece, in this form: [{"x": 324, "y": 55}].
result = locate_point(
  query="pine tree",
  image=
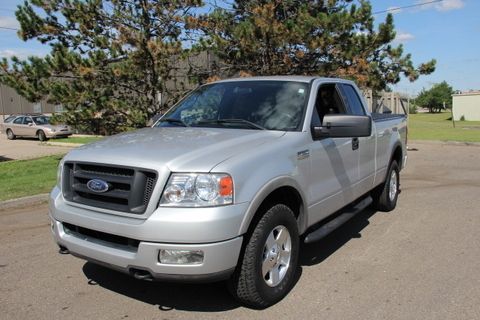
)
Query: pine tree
[
  {"x": 328, "y": 38},
  {"x": 109, "y": 60}
]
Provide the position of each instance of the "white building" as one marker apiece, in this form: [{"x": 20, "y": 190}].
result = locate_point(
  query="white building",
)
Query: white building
[{"x": 466, "y": 105}]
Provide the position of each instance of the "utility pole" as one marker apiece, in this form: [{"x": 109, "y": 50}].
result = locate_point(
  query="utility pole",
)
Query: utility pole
[{"x": 451, "y": 111}]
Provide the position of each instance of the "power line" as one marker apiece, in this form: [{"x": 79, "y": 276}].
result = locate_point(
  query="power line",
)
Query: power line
[
  {"x": 7, "y": 28},
  {"x": 406, "y": 7},
  {"x": 5, "y": 9},
  {"x": 377, "y": 12}
]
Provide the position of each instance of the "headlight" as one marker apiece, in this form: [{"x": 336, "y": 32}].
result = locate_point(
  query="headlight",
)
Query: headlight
[
  {"x": 198, "y": 190},
  {"x": 59, "y": 175}
]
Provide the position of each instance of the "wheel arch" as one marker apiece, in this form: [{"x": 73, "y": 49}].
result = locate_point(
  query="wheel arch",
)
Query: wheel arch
[
  {"x": 397, "y": 155},
  {"x": 280, "y": 190}
]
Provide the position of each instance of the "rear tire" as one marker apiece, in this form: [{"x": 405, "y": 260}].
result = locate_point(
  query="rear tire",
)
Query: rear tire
[
  {"x": 267, "y": 269},
  {"x": 10, "y": 135},
  {"x": 41, "y": 136},
  {"x": 385, "y": 195}
]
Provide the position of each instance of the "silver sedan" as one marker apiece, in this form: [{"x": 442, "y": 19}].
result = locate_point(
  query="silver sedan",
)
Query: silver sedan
[{"x": 37, "y": 126}]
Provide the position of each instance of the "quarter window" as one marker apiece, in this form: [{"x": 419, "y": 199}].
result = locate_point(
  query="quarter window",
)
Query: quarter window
[{"x": 353, "y": 101}]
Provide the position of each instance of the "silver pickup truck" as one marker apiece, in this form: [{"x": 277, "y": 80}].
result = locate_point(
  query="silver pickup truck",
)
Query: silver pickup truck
[{"x": 228, "y": 182}]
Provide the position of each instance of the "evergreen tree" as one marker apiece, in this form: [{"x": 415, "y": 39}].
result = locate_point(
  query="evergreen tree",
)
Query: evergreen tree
[
  {"x": 328, "y": 38},
  {"x": 109, "y": 60}
]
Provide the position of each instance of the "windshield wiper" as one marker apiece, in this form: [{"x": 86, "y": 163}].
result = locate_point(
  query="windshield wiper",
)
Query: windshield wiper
[
  {"x": 234, "y": 121},
  {"x": 173, "y": 120}
]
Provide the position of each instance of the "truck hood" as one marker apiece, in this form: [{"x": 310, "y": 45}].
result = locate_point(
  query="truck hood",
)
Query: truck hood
[{"x": 173, "y": 148}]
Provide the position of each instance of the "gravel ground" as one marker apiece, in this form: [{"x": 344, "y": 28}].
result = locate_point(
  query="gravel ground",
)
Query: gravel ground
[{"x": 421, "y": 261}]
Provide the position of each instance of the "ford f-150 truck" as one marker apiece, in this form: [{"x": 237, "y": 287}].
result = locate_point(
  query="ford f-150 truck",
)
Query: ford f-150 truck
[{"x": 228, "y": 182}]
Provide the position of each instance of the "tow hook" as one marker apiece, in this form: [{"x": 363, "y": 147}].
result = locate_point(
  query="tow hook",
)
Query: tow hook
[
  {"x": 142, "y": 275},
  {"x": 63, "y": 250}
]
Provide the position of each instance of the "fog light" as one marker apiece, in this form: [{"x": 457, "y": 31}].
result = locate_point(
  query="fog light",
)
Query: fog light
[{"x": 169, "y": 256}]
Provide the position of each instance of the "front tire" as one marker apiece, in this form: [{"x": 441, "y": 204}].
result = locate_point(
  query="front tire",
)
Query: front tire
[
  {"x": 41, "y": 136},
  {"x": 267, "y": 269},
  {"x": 385, "y": 195},
  {"x": 10, "y": 135}
]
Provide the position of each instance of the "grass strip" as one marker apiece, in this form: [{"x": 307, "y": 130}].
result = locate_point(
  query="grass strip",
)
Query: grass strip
[
  {"x": 438, "y": 126},
  {"x": 21, "y": 178}
]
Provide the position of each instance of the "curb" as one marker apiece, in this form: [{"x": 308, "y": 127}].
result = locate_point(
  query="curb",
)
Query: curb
[
  {"x": 445, "y": 143},
  {"x": 64, "y": 144},
  {"x": 24, "y": 202}
]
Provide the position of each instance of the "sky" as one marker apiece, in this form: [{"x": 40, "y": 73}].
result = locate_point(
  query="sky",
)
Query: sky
[{"x": 448, "y": 31}]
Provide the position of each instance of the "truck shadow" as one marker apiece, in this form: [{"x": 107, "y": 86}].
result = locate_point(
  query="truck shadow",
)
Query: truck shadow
[
  {"x": 208, "y": 297},
  {"x": 213, "y": 297},
  {"x": 315, "y": 253}
]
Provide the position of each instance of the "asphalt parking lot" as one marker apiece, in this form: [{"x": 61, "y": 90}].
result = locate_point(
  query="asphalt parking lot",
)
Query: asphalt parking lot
[
  {"x": 26, "y": 148},
  {"x": 421, "y": 261}
]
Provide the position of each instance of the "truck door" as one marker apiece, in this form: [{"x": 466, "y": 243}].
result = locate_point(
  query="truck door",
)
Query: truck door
[
  {"x": 366, "y": 145},
  {"x": 334, "y": 161}
]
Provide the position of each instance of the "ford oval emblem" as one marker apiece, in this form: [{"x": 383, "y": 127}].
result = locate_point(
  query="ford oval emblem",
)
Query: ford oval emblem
[{"x": 97, "y": 185}]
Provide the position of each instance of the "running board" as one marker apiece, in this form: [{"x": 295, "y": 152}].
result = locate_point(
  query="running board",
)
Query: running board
[{"x": 345, "y": 215}]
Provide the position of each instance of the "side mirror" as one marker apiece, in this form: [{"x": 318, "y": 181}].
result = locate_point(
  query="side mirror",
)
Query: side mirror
[
  {"x": 30, "y": 124},
  {"x": 343, "y": 126}
]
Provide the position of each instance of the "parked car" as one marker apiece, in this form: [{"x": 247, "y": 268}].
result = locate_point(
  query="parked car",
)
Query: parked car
[
  {"x": 34, "y": 125},
  {"x": 228, "y": 182}
]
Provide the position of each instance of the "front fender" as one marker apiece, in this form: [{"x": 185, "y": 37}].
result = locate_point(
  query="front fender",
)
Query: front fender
[{"x": 264, "y": 192}]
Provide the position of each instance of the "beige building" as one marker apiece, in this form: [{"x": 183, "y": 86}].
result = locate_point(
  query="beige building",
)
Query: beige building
[
  {"x": 466, "y": 105},
  {"x": 11, "y": 103}
]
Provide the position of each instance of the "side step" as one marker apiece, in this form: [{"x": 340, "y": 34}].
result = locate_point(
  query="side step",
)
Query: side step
[{"x": 345, "y": 215}]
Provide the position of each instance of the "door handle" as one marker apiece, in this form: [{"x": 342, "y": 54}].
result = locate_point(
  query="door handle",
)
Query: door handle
[{"x": 355, "y": 143}]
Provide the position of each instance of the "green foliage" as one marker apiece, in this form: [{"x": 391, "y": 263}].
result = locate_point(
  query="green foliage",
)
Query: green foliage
[
  {"x": 434, "y": 98},
  {"x": 412, "y": 109},
  {"x": 330, "y": 38},
  {"x": 109, "y": 59}
]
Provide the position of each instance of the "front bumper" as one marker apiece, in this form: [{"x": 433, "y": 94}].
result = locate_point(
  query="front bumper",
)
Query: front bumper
[
  {"x": 219, "y": 261},
  {"x": 56, "y": 134},
  {"x": 205, "y": 230}
]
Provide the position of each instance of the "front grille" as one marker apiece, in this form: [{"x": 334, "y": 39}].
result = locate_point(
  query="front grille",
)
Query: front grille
[
  {"x": 129, "y": 189},
  {"x": 107, "y": 238}
]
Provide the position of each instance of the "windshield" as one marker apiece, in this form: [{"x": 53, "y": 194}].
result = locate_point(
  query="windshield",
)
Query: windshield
[
  {"x": 271, "y": 105},
  {"x": 40, "y": 120}
]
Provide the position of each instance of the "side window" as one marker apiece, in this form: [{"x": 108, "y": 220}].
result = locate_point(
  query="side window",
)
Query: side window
[
  {"x": 27, "y": 120},
  {"x": 353, "y": 100},
  {"x": 329, "y": 101},
  {"x": 18, "y": 120}
]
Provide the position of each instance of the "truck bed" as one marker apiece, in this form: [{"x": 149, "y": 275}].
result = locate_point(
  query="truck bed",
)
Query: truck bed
[{"x": 378, "y": 117}]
